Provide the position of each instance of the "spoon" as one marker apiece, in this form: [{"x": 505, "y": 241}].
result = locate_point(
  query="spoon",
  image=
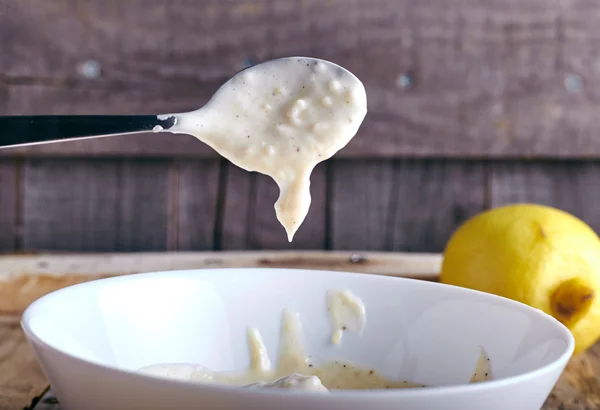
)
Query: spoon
[
  {"x": 22, "y": 130},
  {"x": 279, "y": 118}
]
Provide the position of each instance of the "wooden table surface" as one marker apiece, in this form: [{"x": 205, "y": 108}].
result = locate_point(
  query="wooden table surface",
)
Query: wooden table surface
[{"x": 27, "y": 277}]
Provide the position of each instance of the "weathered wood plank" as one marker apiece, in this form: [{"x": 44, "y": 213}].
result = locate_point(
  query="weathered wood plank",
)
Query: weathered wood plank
[
  {"x": 249, "y": 220},
  {"x": 21, "y": 378},
  {"x": 571, "y": 186},
  {"x": 25, "y": 278},
  {"x": 197, "y": 193},
  {"x": 458, "y": 78},
  {"x": 99, "y": 205},
  {"x": 143, "y": 206},
  {"x": 9, "y": 202},
  {"x": 240, "y": 188},
  {"x": 70, "y": 204},
  {"x": 432, "y": 199},
  {"x": 403, "y": 205},
  {"x": 361, "y": 217},
  {"x": 579, "y": 386}
]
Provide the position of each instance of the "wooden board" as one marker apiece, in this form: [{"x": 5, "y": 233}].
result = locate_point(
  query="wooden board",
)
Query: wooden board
[
  {"x": 10, "y": 197},
  {"x": 21, "y": 379},
  {"x": 108, "y": 205},
  {"x": 403, "y": 205},
  {"x": 25, "y": 278},
  {"x": 23, "y": 384},
  {"x": 196, "y": 195},
  {"x": 466, "y": 78},
  {"x": 99, "y": 205},
  {"x": 571, "y": 186}
]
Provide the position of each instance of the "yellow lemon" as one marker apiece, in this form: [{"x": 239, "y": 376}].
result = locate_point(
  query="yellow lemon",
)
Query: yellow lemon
[{"x": 534, "y": 254}]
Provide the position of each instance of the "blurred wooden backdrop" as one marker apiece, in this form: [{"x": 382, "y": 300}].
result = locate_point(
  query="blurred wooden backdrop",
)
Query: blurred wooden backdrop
[{"x": 473, "y": 104}]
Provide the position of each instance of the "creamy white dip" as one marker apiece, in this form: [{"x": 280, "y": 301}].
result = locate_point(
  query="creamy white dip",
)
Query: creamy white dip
[
  {"x": 293, "y": 368},
  {"x": 281, "y": 118},
  {"x": 346, "y": 313}
]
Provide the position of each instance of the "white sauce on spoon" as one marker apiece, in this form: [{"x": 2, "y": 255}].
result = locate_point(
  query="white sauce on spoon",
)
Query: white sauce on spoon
[{"x": 281, "y": 118}]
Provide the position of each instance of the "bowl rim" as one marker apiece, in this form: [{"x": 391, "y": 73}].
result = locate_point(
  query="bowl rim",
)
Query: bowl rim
[{"x": 408, "y": 392}]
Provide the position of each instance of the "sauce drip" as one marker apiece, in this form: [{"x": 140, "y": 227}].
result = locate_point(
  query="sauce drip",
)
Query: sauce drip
[
  {"x": 281, "y": 118},
  {"x": 346, "y": 312},
  {"x": 293, "y": 369}
]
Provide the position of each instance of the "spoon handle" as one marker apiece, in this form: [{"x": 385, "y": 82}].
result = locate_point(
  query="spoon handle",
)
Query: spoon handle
[{"x": 38, "y": 129}]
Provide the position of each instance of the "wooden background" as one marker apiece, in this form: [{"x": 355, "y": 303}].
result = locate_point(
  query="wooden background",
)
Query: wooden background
[{"x": 472, "y": 104}]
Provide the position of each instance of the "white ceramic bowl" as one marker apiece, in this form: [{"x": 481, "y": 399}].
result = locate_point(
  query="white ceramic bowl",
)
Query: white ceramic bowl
[{"x": 91, "y": 338}]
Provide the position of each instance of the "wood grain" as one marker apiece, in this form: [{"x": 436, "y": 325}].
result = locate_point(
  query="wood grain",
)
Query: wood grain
[
  {"x": 198, "y": 189},
  {"x": 433, "y": 198},
  {"x": 26, "y": 278},
  {"x": 249, "y": 219},
  {"x": 403, "y": 205},
  {"x": 143, "y": 205},
  {"x": 361, "y": 217},
  {"x": 70, "y": 204},
  {"x": 579, "y": 386},
  {"x": 444, "y": 78},
  {"x": 143, "y": 215},
  {"x": 21, "y": 378},
  {"x": 571, "y": 186},
  {"x": 95, "y": 205},
  {"x": 10, "y": 185}
]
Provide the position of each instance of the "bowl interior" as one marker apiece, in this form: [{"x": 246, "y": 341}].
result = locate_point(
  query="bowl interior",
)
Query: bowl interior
[{"x": 417, "y": 331}]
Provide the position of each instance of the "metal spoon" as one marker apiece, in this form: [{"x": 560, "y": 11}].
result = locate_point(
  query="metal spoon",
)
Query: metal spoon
[
  {"x": 40, "y": 129},
  {"x": 23, "y": 130}
]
